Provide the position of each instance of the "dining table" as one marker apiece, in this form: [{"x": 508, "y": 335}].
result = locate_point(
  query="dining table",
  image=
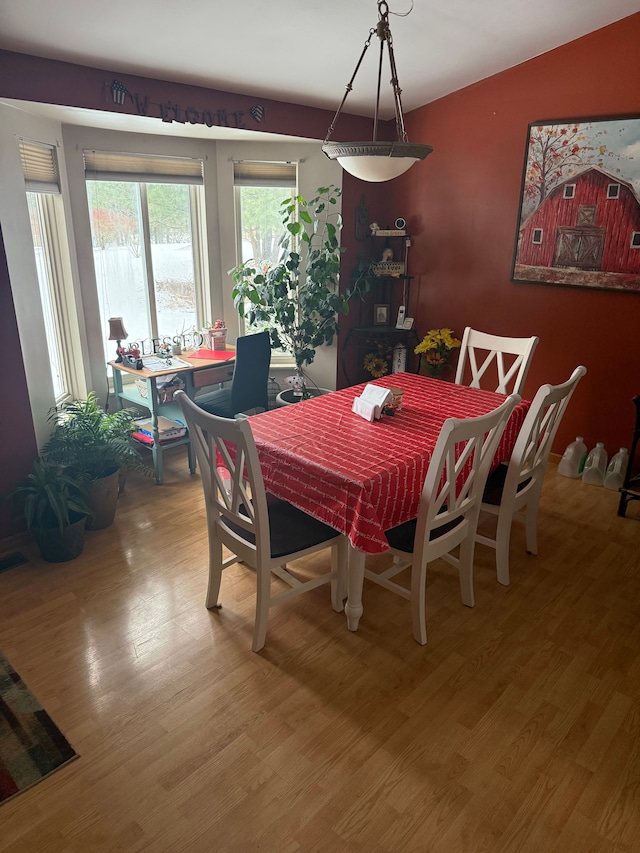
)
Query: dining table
[{"x": 364, "y": 477}]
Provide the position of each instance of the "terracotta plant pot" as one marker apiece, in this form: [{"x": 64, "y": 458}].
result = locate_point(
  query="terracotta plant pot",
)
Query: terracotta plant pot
[{"x": 103, "y": 499}]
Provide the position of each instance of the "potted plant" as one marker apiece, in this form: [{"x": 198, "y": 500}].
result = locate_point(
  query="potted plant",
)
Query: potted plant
[
  {"x": 55, "y": 505},
  {"x": 299, "y": 297},
  {"x": 434, "y": 350},
  {"x": 94, "y": 445}
]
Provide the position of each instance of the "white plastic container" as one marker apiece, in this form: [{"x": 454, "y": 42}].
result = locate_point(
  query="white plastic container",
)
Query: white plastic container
[
  {"x": 596, "y": 466},
  {"x": 573, "y": 459},
  {"x": 614, "y": 478}
]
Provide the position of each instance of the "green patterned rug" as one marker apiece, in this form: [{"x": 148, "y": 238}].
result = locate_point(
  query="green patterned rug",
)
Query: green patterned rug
[{"x": 31, "y": 745}]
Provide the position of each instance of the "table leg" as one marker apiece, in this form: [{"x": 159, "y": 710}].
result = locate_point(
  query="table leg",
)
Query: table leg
[{"x": 353, "y": 608}]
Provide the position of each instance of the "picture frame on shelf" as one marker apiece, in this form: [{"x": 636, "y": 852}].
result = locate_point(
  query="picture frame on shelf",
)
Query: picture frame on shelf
[
  {"x": 579, "y": 218},
  {"x": 381, "y": 315}
]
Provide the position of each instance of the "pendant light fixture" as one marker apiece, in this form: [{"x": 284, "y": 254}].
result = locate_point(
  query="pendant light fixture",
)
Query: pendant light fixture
[{"x": 377, "y": 160}]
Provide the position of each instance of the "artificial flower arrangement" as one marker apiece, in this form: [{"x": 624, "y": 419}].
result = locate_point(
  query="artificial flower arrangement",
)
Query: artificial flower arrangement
[
  {"x": 375, "y": 364},
  {"x": 434, "y": 349}
]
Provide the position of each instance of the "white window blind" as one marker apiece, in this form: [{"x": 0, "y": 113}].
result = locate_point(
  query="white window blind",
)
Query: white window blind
[
  {"x": 142, "y": 168},
  {"x": 39, "y": 167},
  {"x": 264, "y": 174}
]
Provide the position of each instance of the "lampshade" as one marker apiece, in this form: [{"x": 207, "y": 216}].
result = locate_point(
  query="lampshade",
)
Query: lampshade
[
  {"x": 117, "y": 331},
  {"x": 377, "y": 161}
]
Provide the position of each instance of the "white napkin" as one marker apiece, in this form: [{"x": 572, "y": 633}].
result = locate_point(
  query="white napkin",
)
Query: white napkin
[
  {"x": 364, "y": 409},
  {"x": 370, "y": 403}
]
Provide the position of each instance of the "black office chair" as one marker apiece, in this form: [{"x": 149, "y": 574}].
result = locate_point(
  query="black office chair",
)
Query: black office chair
[{"x": 248, "y": 389}]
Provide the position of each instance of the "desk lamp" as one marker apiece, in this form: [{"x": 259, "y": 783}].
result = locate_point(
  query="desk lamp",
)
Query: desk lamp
[{"x": 117, "y": 332}]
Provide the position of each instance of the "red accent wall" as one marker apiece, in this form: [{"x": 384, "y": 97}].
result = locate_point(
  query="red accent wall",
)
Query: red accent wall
[{"x": 462, "y": 202}]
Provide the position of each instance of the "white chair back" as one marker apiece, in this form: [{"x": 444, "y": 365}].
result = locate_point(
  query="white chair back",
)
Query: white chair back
[
  {"x": 258, "y": 529},
  {"x": 482, "y": 351},
  {"x": 506, "y": 495},
  {"x": 449, "y": 508}
]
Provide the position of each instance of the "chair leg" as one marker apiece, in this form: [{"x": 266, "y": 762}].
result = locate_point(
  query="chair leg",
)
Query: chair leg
[
  {"x": 216, "y": 566},
  {"x": 263, "y": 596},
  {"x": 418, "y": 604},
  {"x": 465, "y": 570},
  {"x": 339, "y": 558},
  {"x": 503, "y": 542},
  {"x": 531, "y": 521}
]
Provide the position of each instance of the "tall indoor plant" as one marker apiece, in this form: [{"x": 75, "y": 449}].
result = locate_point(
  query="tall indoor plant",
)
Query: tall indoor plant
[{"x": 299, "y": 297}]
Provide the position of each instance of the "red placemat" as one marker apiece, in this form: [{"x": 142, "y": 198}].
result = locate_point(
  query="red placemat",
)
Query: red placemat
[{"x": 213, "y": 354}]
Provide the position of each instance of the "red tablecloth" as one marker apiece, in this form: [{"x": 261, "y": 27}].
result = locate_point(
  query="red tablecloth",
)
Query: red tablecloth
[{"x": 364, "y": 478}]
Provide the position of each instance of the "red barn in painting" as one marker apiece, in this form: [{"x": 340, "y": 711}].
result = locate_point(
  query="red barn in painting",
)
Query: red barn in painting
[{"x": 591, "y": 221}]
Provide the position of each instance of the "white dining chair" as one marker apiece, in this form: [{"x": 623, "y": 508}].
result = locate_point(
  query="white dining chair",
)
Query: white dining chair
[
  {"x": 259, "y": 529},
  {"x": 510, "y": 358},
  {"x": 513, "y": 490},
  {"x": 448, "y": 510}
]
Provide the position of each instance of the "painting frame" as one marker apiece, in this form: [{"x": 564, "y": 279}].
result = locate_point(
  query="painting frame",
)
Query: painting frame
[
  {"x": 578, "y": 219},
  {"x": 381, "y": 314}
]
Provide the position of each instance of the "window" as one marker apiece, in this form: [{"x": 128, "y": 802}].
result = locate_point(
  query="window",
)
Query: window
[
  {"x": 569, "y": 191},
  {"x": 537, "y": 235},
  {"x": 586, "y": 215},
  {"x": 613, "y": 191},
  {"x": 635, "y": 240},
  {"x": 260, "y": 189},
  {"x": 48, "y": 231},
  {"x": 145, "y": 225}
]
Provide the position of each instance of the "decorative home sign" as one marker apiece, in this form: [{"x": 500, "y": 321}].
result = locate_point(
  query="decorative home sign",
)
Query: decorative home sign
[
  {"x": 170, "y": 112},
  {"x": 579, "y": 222}
]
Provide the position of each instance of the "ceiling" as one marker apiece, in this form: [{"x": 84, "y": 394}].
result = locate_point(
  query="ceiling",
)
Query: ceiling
[{"x": 300, "y": 52}]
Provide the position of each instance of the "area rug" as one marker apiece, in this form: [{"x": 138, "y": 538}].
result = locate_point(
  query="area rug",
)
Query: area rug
[{"x": 31, "y": 745}]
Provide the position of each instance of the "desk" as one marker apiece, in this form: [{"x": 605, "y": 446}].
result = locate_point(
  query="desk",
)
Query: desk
[
  {"x": 199, "y": 373},
  {"x": 364, "y": 478}
]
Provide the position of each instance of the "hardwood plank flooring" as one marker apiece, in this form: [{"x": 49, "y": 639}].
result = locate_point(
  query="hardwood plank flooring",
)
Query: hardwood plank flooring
[{"x": 517, "y": 728}]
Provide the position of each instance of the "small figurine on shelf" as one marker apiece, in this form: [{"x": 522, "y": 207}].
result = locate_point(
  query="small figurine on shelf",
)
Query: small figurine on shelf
[
  {"x": 219, "y": 334},
  {"x": 387, "y": 255},
  {"x": 373, "y": 228}
]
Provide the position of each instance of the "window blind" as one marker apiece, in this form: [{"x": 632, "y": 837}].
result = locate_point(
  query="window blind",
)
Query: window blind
[
  {"x": 264, "y": 174},
  {"x": 39, "y": 167},
  {"x": 143, "y": 168}
]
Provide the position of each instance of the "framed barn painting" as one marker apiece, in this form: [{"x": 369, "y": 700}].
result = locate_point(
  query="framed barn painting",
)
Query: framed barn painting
[{"x": 579, "y": 220}]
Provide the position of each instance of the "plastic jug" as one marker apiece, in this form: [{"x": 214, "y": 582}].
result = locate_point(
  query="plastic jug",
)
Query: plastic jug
[
  {"x": 596, "y": 466},
  {"x": 614, "y": 478},
  {"x": 573, "y": 459}
]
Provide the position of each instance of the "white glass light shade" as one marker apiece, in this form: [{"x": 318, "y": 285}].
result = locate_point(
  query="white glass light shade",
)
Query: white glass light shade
[{"x": 376, "y": 161}]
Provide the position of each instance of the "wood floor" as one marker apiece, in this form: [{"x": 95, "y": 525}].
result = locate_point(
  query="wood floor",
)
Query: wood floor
[{"x": 517, "y": 728}]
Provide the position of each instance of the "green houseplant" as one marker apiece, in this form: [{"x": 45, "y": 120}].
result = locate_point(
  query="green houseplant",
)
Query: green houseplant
[
  {"x": 299, "y": 297},
  {"x": 94, "y": 445},
  {"x": 55, "y": 505}
]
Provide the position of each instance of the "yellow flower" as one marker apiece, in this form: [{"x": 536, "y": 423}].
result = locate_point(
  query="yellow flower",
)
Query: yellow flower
[
  {"x": 376, "y": 366},
  {"x": 441, "y": 340}
]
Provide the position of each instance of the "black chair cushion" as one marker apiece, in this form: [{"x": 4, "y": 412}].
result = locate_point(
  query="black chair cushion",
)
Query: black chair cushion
[
  {"x": 291, "y": 529},
  {"x": 403, "y": 536},
  {"x": 495, "y": 485},
  {"x": 217, "y": 403}
]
